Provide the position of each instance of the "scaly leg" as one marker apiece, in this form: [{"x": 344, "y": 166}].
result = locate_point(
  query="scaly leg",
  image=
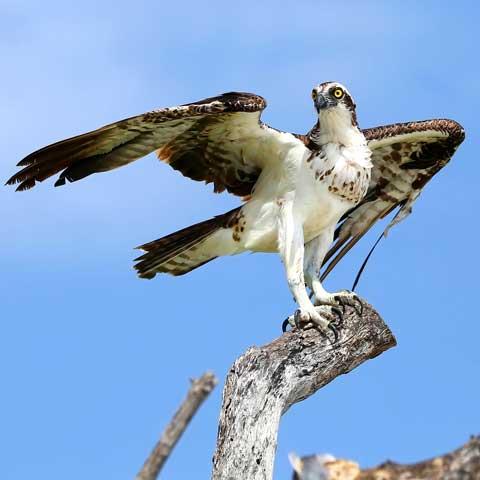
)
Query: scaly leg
[
  {"x": 291, "y": 249},
  {"x": 315, "y": 252}
]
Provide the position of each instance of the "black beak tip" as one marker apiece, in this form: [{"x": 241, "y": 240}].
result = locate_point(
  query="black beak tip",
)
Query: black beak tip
[{"x": 320, "y": 102}]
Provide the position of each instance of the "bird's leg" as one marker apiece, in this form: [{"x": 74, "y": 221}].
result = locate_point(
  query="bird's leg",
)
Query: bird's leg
[
  {"x": 315, "y": 252},
  {"x": 291, "y": 248}
]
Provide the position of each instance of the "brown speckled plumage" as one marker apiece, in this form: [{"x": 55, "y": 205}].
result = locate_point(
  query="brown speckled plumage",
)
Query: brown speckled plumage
[
  {"x": 352, "y": 190},
  {"x": 176, "y": 253},
  {"x": 187, "y": 137},
  {"x": 208, "y": 141},
  {"x": 405, "y": 157}
]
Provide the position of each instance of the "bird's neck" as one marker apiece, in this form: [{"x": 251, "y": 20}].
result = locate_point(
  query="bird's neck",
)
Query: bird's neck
[{"x": 337, "y": 126}]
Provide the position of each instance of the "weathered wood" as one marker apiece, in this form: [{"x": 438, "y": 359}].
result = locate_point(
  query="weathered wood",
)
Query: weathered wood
[
  {"x": 461, "y": 464},
  {"x": 264, "y": 382},
  {"x": 199, "y": 391}
]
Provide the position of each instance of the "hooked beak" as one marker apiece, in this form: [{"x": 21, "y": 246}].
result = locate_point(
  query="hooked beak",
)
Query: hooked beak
[{"x": 321, "y": 102}]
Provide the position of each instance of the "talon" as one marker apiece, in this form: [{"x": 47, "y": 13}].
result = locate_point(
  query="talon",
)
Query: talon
[
  {"x": 340, "y": 303},
  {"x": 340, "y": 314},
  {"x": 357, "y": 305},
  {"x": 351, "y": 299},
  {"x": 292, "y": 321},
  {"x": 334, "y": 329},
  {"x": 340, "y": 299},
  {"x": 297, "y": 320},
  {"x": 323, "y": 318}
]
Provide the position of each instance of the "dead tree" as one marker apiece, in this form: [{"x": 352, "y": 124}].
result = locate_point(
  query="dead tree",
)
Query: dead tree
[
  {"x": 264, "y": 382},
  {"x": 461, "y": 464},
  {"x": 199, "y": 390}
]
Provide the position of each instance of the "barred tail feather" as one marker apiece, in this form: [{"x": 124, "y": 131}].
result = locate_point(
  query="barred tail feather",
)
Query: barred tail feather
[{"x": 183, "y": 251}]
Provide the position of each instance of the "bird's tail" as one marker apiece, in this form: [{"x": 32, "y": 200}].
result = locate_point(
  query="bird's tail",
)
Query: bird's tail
[{"x": 189, "y": 248}]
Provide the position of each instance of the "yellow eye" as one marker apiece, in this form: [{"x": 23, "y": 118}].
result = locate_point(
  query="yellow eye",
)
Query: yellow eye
[
  {"x": 338, "y": 93},
  {"x": 314, "y": 94}
]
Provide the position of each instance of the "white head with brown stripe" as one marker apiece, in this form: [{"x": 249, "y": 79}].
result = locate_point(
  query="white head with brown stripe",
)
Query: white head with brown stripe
[{"x": 336, "y": 115}]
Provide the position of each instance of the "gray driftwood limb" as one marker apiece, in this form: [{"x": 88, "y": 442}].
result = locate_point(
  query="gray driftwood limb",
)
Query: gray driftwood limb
[
  {"x": 264, "y": 382},
  {"x": 461, "y": 464},
  {"x": 199, "y": 391}
]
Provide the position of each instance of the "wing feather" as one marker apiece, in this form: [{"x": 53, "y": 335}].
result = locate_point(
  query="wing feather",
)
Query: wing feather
[
  {"x": 405, "y": 157},
  {"x": 219, "y": 139}
]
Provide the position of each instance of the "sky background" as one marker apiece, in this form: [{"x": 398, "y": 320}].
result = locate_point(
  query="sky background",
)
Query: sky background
[{"x": 93, "y": 361}]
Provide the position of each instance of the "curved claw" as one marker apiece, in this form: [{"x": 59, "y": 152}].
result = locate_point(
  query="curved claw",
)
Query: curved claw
[
  {"x": 339, "y": 313},
  {"x": 334, "y": 329},
  {"x": 352, "y": 300},
  {"x": 341, "y": 301},
  {"x": 357, "y": 305},
  {"x": 340, "y": 305},
  {"x": 332, "y": 319}
]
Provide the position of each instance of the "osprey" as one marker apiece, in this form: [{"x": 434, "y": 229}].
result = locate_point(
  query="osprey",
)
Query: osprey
[{"x": 300, "y": 192}]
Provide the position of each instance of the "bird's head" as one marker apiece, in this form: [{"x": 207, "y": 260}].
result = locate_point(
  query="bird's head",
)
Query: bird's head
[{"x": 333, "y": 100}]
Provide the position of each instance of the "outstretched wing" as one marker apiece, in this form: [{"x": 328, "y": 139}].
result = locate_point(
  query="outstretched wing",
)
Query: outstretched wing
[
  {"x": 405, "y": 157},
  {"x": 219, "y": 140}
]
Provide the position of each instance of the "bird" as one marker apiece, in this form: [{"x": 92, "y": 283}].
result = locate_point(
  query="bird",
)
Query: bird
[{"x": 308, "y": 197}]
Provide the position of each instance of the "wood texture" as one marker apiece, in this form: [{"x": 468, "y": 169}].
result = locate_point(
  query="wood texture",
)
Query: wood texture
[
  {"x": 199, "y": 391},
  {"x": 264, "y": 382},
  {"x": 461, "y": 464}
]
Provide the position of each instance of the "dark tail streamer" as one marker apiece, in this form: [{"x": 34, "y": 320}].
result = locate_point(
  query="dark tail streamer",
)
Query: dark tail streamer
[{"x": 364, "y": 264}]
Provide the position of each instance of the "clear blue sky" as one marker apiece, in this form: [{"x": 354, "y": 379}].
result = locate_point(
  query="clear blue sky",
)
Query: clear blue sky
[{"x": 93, "y": 361}]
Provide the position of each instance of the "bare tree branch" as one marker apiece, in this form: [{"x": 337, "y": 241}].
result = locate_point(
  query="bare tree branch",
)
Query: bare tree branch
[
  {"x": 265, "y": 381},
  {"x": 461, "y": 464},
  {"x": 199, "y": 391}
]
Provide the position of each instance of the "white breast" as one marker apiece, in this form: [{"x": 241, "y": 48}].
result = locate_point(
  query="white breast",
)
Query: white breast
[
  {"x": 320, "y": 195},
  {"x": 331, "y": 182}
]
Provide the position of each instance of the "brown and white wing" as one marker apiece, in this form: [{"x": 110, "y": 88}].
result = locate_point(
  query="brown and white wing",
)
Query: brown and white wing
[
  {"x": 405, "y": 157},
  {"x": 219, "y": 140}
]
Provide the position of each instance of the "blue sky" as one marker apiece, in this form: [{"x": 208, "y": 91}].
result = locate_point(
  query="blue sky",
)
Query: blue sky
[{"x": 93, "y": 361}]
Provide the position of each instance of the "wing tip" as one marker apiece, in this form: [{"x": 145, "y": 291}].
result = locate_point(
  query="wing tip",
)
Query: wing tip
[
  {"x": 455, "y": 130},
  {"x": 27, "y": 161},
  {"x": 24, "y": 184},
  {"x": 144, "y": 273},
  {"x": 29, "y": 183},
  {"x": 60, "y": 182}
]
